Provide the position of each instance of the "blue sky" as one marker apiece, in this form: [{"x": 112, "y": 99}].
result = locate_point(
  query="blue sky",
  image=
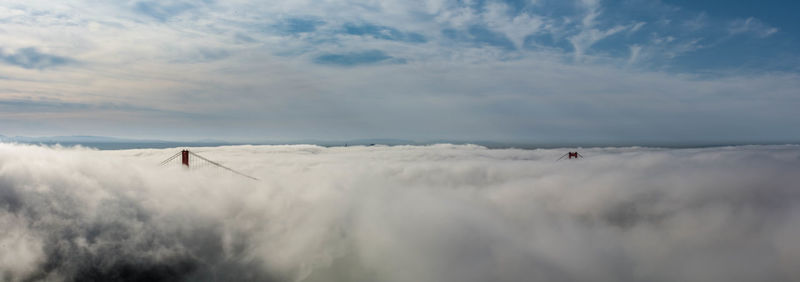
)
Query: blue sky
[{"x": 623, "y": 71}]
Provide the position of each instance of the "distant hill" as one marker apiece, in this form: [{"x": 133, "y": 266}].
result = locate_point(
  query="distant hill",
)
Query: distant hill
[
  {"x": 109, "y": 143},
  {"x": 75, "y": 139}
]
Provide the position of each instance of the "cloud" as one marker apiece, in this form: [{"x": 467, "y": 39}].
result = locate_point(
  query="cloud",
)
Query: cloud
[
  {"x": 32, "y": 58},
  {"x": 405, "y": 213},
  {"x": 162, "y": 10},
  {"x": 481, "y": 36},
  {"x": 635, "y": 52},
  {"x": 412, "y": 69},
  {"x": 589, "y": 32},
  {"x": 547, "y": 41},
  {"x": 383, "y": 32},
  {"x": 752, "y": 26},
  {"x": 356, "y": 58},
  {"x": 299, "y": 25},
  {"x": 56, "y": 106}
]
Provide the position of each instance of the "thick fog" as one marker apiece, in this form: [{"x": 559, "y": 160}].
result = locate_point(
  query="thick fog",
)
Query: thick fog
[{"x": 404, "y": 213}]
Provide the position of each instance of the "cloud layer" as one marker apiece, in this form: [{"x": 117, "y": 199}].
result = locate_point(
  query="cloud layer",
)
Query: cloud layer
[
  {"x": 428, "y": 70},
  {"x": 405, "y": 213}
]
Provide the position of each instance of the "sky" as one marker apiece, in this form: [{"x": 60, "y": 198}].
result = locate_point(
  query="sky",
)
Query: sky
[
  {"x": 401, "y": 213},
  {"x": 627, "y": 71}
]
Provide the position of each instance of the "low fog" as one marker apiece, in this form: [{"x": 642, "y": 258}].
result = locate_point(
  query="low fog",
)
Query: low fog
[{"x": 403, "y": 213}]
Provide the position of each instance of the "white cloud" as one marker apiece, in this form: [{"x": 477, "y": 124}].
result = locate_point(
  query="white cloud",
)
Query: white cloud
[
  {"x": 434, "y": 213},
  {"x": 696, "y": 23},
  {"x": 588, "y": 36},
  {"x": 589, "y": 33},
  {"x": 635, "y": 51},
  {"x": 753, "y": 26},
  {"x": 517, "y": 27},
  {"x": 637, "y": 26}
]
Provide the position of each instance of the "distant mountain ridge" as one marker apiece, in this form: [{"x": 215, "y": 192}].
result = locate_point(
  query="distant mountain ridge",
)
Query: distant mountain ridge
[
  {"x": 110, "y": 143},
  {"x": 89, "y": 139},
  {"x": 76, "y": 139}
]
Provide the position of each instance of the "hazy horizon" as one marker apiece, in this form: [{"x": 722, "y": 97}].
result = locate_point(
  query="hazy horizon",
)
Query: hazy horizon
[{"x": 116, "y": 143}]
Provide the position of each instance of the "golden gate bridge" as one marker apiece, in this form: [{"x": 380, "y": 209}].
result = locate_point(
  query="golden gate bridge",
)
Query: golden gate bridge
[
  {"x": 571, "y": 155},
  {"x": 191, "y": 159}
]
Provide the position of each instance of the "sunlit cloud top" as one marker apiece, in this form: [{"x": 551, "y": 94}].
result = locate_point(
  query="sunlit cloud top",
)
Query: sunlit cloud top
[{"x": 546, "y": 71}]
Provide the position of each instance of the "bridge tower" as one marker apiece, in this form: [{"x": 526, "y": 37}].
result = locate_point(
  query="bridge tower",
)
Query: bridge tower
[
  {"x": 185, "y": 157},
  {"x": 571, "y": 155},
  {"x": 199, "y": 161}
]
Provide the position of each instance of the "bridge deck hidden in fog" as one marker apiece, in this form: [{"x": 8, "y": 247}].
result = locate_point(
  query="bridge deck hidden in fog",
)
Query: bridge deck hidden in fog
[{"x": 191, "y": 159}]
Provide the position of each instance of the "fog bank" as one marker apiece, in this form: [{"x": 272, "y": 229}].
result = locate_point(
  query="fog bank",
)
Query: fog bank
[{"x": 402, "y": 213}]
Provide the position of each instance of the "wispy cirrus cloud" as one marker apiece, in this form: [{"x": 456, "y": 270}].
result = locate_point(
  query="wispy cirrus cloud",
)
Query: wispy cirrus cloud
[
  {"x": 383, "y": 32},
  {"x": 164, "y": 10},
  {"x": 298, "y": 25},
  {"x": 480, "y": 36},
  {"x": 751, "y": 26}
]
